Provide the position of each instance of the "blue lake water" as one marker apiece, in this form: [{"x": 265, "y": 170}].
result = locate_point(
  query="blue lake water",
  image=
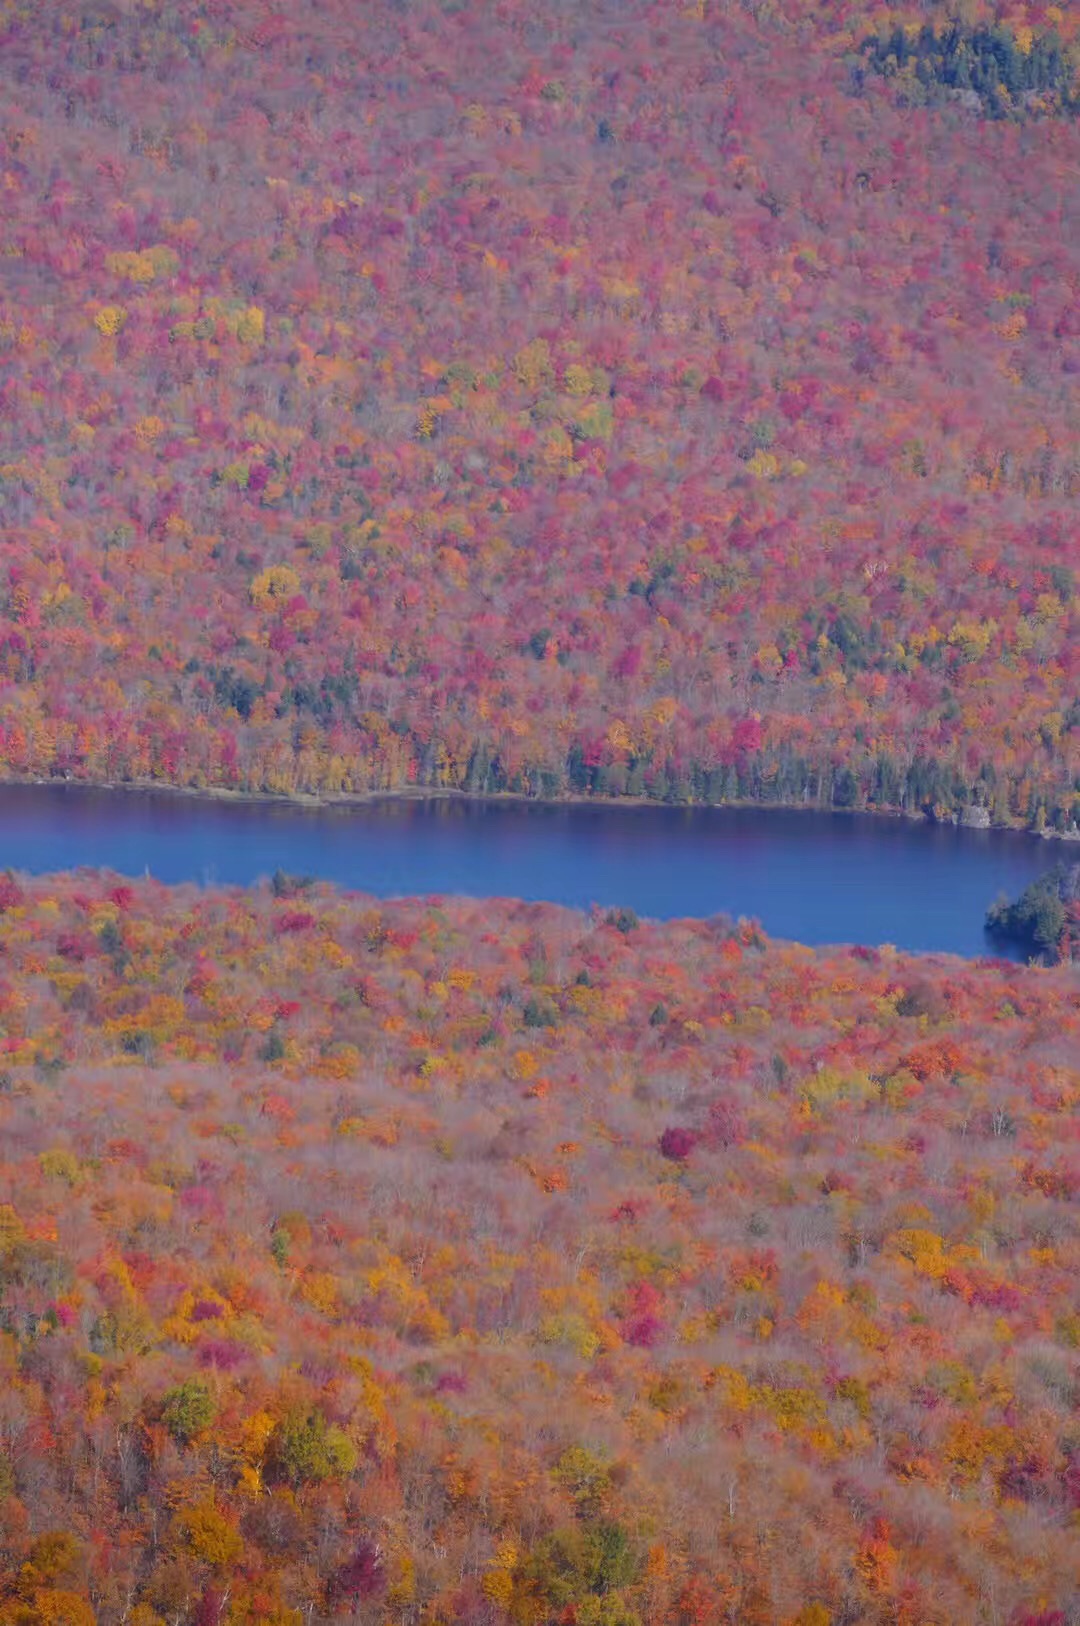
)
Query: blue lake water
[{"x": 814, "y": 877}]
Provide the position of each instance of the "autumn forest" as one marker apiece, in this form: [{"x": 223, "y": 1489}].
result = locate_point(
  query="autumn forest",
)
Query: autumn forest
[
  {"x": 664, "y": 400},
  {"x": 608, "y": 399},
  {"x": 491, "y": 1263}
]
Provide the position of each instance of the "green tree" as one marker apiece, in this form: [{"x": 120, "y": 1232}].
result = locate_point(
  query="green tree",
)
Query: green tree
[
  {"x": 305, "y": 1449},
  {"x": 1038, "y": 918},
  {"x": 187, "y": 1410},
  {"x": 581, "y": 1562}
]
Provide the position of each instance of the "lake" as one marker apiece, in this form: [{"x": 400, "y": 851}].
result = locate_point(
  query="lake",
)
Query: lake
[{"x": 814, "y": 877}]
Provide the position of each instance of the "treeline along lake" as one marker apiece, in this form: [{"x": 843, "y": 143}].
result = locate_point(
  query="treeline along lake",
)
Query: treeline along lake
[{"x": 813, "y": 877}]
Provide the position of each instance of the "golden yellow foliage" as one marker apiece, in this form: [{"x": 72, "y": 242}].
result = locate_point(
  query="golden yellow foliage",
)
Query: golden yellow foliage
[
  {"x": 764, "y": 465},
  {"x": 109, "y": 320},
  {"x": 340, "y": 1063},
  {"x": 149, "y": 429},
  {"x": 923, "y": 1249},
  {"x": 209, "y": 1535},
  {"x": 251, "y": 326},
  {"x": 55, "y": 1606},
  {"x": 320, "y": 1290},
  {"x": 143, "y": 265},
  {"x": 60, "y": 1165},
  {"x": 498, "y": 1585},
  {"x": 577, "y": 380},
  {"x": 274, "y": 586}
]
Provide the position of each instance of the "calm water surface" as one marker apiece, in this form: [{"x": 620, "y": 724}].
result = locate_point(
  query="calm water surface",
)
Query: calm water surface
[{"x": 815, "y": 877}]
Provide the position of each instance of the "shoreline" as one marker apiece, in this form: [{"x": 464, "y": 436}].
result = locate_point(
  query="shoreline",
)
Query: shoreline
[{"x": 313, "y": 802}]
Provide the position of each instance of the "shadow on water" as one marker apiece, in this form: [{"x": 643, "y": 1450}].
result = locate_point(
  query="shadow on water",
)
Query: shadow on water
[{"x": 813, "y": 877}]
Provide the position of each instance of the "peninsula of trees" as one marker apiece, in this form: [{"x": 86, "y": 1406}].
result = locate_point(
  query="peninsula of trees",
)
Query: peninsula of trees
[{"x": 1045, "y": 918}]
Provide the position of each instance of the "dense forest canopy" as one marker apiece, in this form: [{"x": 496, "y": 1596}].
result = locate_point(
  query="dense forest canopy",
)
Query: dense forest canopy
[
  {"x": 594, "y": 399},
  {"x": 993, "y": 70},
  {"x": 656, "y": 398},
  {"x": 457, "y": 1264}
]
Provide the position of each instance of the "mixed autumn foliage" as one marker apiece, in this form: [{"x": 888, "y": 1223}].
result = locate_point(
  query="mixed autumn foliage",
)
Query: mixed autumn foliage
[
  {"x": 625, "y": 398},
  {"x": 440, "y": 1262},
  {"x": 621, "y": 398}
]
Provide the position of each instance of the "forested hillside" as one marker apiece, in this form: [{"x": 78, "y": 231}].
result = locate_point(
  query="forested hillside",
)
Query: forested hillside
[
  {"x": 436, "y": 1263},
  {"x": 598, "y": 398},
  {"x": 608, "y": 398}
]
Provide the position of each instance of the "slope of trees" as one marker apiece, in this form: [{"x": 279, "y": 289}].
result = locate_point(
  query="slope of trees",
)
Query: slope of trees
[
  {"x": 440, "y": 1263},
  {"x": 577, "y": 399}
]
